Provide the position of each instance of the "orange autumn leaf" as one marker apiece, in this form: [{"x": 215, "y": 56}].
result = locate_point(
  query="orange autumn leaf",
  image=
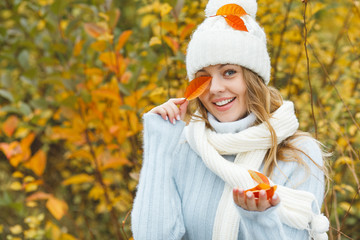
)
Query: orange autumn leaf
[
  {"x": 10, "y": 125},
  {"x": 172, "y": 43},
  {"x": 56, "y": 207},
  {"x": 37, "y": 163},
  {"x": 197, "y": 87},
  {"x": 236, "y": 22},
  {"x": 122, "y": 39},
  {"x": 259, "y": 177},
  {"x": 262, "y": 186},
  {"x": 186, "y": 31},
  {"x": 231, "y": 9},
  {"x": 94, "y": 30}
]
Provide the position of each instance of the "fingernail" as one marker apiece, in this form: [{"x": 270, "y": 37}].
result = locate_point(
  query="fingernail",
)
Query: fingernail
[
  {"x": 167, "y": 118},
  {"x": 178, "y": 117},
  {"x": 248, "y": 194},
  {"x": 275, "y": 196},
  {"x": 174, "y": 121}
]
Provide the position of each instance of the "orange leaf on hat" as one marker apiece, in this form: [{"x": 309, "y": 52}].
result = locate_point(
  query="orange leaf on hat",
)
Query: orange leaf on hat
[
  {"x": 236, "y": 22},
  {"x": 196, "y": 87},
  {"x": 231, "y": 9}
]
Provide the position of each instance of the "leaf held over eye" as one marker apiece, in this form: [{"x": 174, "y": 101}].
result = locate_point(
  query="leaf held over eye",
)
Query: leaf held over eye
[
  {"x": 231, "y": 9},
  {"x": 236, "y": 22},
  {"x": 196, "y": 87},
  {"x": 259, "y": 177}
]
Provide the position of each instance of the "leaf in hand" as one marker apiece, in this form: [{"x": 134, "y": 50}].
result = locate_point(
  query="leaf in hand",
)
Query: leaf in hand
[
  {"x": 197, "y": 87},
  {"x": 259, "y": 177},
  {"x": 263, "y": 186}
]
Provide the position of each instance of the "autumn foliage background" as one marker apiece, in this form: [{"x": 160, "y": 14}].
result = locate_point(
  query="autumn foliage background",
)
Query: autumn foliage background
[{"x": 76, "y": 77}]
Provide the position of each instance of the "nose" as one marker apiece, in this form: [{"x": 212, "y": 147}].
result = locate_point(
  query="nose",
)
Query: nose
[{"x": 216, "y": 85}]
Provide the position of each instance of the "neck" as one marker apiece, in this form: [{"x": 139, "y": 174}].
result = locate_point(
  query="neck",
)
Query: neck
[{"x": 231, "y": 127}]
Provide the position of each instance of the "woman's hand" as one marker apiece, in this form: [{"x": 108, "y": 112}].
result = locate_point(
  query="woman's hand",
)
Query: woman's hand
[
  {"x": 248, "y": 202},
  {"x": 170, "y": 110}
]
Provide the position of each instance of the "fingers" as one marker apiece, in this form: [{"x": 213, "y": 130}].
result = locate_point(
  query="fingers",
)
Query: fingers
[
  {"x": 170, "y": 110},
  {"x": 275, "y": 200},
  {"x": 263, "y": 203},
  {"x": 248, "y": 201}
]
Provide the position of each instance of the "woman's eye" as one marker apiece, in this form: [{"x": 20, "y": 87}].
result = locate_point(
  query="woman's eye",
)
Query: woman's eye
[{"x": 229, "y": 72}]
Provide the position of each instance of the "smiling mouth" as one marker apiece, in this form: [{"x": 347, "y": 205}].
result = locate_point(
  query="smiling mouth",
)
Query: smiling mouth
[{"x": 224, "y": 102}]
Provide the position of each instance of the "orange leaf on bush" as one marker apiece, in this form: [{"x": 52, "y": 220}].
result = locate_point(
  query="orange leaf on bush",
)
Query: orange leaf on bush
[
  {"x": 122, "y": 39},
  {"x": 259, "y": 177},
  {"x": 263, "y": 186},
  {"x": 197, "y": 87},
  {"x": 236, "y": 22},
  {"x": 231, "y": 9}
]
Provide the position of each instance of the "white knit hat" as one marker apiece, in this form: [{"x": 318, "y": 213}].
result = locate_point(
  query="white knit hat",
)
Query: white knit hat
[{"x": 216, "y": 42}]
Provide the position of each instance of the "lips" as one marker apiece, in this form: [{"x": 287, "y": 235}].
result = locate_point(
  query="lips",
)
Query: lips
[{"x": 223, "y": 102}]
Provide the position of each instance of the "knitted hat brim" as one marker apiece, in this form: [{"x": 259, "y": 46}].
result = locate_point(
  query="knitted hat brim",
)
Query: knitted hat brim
[{"x": 227, "y": 47}]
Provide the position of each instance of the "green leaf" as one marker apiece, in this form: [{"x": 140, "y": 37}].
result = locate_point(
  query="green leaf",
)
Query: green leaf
[
  {"x": 23, "y": 59},
  {"x": 7, "y": 95}
]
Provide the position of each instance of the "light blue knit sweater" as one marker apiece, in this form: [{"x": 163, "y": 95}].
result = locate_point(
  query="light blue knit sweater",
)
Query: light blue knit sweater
[{"x": 178, "y": 195}]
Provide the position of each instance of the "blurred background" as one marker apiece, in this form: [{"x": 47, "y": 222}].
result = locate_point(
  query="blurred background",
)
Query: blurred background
[{"x": 77, "y": 75}]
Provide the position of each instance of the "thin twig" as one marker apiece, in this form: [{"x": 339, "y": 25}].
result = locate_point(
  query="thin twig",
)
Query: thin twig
[
  {"x": 336, "y": 90},
  {"x": 283, "y": 30},
  {"x": 308, "y": 72}
]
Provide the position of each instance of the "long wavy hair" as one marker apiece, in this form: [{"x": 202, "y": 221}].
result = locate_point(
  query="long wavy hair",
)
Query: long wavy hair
[{"x": 263, "y": 100}]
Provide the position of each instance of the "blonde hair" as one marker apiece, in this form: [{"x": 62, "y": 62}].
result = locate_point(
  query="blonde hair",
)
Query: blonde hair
[{"x": 263, "y": 100}]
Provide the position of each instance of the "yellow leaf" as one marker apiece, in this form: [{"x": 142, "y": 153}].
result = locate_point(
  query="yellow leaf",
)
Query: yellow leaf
[
  {"x": 17, "y": 229},
  {"x": 122, "y": 39},
  {"x": 94, "y": 30},
  {"x": 1, "y": 228},
  {"x": 31, "y": 187},
  {"x": 107, "y": 94},
  {"x": 45, "y": 2},
  {"x": 96, "y": 192},
  {"x": 56, "y": 207},
  {"x": 15, "y": 186},
  {"x": 66, "y": 236},
  {"x": 99, "y": 45},
  {"x": 165, "y": 9},
  {"x": 154, "y": 41},
  {"x": 342, "y": 161},
  {"x": 17, "y": 174},
  {"x": 78, "y": 47},
  {"x": 10, "y": 125},
  {"x": 93, "y": 71},
  {"x": 147, "y": 19},
  {"x": 170, "y": 27},
  {"x": 78, "y": 179}
]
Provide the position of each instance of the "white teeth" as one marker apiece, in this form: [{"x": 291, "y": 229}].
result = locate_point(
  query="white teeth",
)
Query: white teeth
[{"x": 223, "y": 102}]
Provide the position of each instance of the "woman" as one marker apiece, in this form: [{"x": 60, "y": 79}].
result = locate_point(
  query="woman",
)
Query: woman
[{"x": 194, "y": 176}]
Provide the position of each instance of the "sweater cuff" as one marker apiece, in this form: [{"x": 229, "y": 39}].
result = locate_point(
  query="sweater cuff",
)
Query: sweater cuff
[{"x": 256, "y": 215}]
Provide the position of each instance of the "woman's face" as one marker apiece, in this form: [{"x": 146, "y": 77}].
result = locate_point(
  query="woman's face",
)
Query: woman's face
[{"x": 225, "y": 96}]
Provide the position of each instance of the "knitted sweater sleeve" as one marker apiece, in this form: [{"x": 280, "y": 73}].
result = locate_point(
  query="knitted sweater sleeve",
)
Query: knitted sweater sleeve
[
  {"x": 156, "y": 210},
  {"x": 267, "y": 224}
]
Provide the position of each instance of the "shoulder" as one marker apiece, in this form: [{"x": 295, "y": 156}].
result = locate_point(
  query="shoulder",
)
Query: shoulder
[{"x": 309, "y": 149}]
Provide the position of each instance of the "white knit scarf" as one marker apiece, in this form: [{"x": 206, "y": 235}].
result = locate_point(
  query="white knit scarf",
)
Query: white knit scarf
[{"x": 250, "y": 147}]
